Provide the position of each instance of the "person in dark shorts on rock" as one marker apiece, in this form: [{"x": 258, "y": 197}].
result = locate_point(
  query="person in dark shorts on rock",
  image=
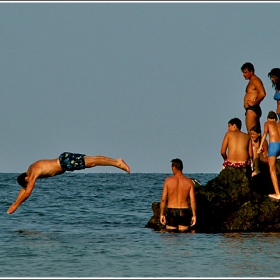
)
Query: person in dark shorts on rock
[
  {"x": 177, "y": 190},
  {"x": 52, "y": 167},
  {"x": 255, "y": 93}
]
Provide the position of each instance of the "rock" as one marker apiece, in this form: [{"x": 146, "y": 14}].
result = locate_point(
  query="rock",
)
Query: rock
[
  {"x": 154, "y": 221},
  {"x": 233, "y": 202}
]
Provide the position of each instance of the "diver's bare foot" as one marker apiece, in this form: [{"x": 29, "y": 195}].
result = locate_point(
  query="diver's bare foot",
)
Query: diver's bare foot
[
  {"x": 274, "y": 196},
  {"x": 123, "y": 165}
]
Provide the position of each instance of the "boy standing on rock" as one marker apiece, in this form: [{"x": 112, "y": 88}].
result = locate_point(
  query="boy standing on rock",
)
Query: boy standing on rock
[{"x": 272, "y": 127}]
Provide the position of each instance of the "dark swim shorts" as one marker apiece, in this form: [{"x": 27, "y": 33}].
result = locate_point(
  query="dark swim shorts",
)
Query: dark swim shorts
[
  {"x": 178, "y": 216},
  {"x": 257, "y": 109},
  {"x": 71, "y": 162}
]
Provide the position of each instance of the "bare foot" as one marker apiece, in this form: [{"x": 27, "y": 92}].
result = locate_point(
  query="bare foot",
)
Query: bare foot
[
  {"x": 123, "y": 165},
  {"x": 255, "y": 173},
  {"x": 274, "y": 196}
]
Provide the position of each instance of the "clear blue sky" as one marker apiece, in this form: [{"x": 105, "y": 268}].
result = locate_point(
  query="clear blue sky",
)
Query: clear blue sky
[{"x": 147, "y": 82}]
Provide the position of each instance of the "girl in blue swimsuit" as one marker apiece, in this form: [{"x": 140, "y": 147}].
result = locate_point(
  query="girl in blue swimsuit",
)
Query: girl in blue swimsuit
[{"x": 274, "y": 76}]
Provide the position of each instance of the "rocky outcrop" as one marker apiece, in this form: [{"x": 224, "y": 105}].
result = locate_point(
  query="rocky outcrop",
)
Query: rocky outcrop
[{"x": 231, "y": 202}]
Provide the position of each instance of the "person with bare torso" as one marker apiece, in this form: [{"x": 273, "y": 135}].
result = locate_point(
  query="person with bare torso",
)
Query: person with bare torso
[
  {"x": 177, "y": 190},
  {"x": 260, "y": 159},
  {"x": 51, "y": 167},
  {"x": 274, "y": 76},
  {"x": 254, "y": 95},
  {"x": 236, "y": 149},
  {"x": 272, "y": 127}
]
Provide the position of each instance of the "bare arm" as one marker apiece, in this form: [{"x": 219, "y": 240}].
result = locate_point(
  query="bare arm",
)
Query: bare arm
[
  {"x": 265, "y": 146},
  {"x": 193, "y": 205},
  {"x": 250, "y": 149},
  {"x": 23, "y": 195},
  {"x": 263, "y": 137},
  {"x": 224, "y": 147},
  {"x": 163, "y": 203},
  {"x": 278, "y": 107},
  {"x": 261, "y": 92}
]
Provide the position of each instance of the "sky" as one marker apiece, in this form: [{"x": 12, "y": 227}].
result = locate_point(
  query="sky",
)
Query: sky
[{"x": 142, "y": 81}]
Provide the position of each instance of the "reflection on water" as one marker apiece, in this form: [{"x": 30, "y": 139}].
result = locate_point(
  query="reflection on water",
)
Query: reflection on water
[
  {"x": 250, "y": 254},
  {"x": 239, "y": 241}
]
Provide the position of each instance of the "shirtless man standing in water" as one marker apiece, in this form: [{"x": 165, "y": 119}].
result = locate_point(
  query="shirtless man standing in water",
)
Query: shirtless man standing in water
[
  {"x": 51, "y": 167},
  {"x": 176, "y": 191},
  {"x": 255, "y": 93}
]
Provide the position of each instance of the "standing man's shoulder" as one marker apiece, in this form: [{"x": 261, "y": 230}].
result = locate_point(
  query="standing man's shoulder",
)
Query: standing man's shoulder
[
  {"x": 169, "y": 179},
  {"x": 188, "y": 180},
  {"x": 258, "y": 79},
  {"x": 258, "y": 84}
]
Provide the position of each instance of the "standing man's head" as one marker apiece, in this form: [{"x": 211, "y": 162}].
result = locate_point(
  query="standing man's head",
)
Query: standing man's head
[
  {"x": 248, "y": 70},
  {"x": 177, "y": 164},
  {"x": 234, "y": 124},
  {"x": 274, "y": 76},
  {"x": 272, "y": 115}
]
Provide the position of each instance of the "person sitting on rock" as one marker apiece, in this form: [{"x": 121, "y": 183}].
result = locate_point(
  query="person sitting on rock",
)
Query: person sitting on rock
[
  {"x": 260, "y": 159},
  {"x": 272, "y": 127},
  {"x": 236, "y": 149}
]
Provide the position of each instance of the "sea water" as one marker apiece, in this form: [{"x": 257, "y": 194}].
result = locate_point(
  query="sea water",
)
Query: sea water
[{"x": 93, "y": 225}]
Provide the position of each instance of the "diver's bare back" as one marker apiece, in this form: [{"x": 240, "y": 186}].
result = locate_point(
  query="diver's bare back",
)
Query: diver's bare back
[{"x": 44, "y": 168}]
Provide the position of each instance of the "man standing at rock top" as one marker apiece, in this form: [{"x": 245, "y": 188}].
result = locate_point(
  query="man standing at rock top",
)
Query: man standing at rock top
[{"x": 254, "y": 95}]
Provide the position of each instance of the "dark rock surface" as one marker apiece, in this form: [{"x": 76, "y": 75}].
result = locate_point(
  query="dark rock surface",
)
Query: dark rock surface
[{"x": 233, "y": 202}]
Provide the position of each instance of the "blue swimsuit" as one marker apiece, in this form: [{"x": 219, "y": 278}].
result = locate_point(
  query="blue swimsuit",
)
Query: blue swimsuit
[
  {"x": 273, "y": 149},
  {"x": 277, "y": 97}
]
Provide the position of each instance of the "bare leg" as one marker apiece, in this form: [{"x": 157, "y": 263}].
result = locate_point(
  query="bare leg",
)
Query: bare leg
[
  {"x": 274, "y": 179},
  {"x": 277, "y": 167},
  {"x": 179, "y": 228},
  {"x": 92, "y": 161},
  {"x": 251, "y": 120},
  {"x": 256, "y": 161},
  {"x": 170, "y": 227},
  {"x": 183, "y": 228}
]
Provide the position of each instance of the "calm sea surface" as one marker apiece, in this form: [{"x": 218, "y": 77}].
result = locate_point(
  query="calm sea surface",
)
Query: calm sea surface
[{"x": 93, "y": 225}]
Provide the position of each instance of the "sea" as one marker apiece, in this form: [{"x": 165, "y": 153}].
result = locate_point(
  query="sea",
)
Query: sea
[{"x": 92, "y": 225}]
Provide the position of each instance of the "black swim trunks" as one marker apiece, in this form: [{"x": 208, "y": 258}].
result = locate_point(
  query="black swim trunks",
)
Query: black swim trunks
[
  {"x": 257, "y": 109},
  {"x": 71, "y": 162},
  {"x": 178, "y": 216}
]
